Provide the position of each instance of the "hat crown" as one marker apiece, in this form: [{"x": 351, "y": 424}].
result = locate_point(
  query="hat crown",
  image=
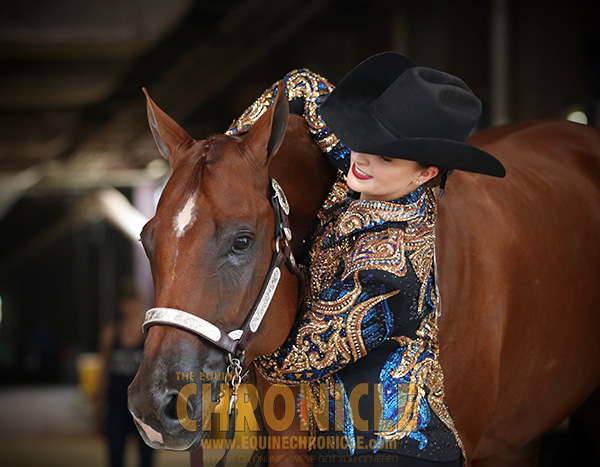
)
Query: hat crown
[{"x": 427, "y": 103}]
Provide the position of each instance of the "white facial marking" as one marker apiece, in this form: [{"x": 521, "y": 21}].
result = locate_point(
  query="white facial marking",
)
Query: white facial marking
[
  {"x": 151, "y": 433},
  {"x": 186, "y": 217}
]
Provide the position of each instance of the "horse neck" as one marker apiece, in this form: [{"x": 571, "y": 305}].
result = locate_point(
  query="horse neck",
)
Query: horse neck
[
  {"x": 304, "y": 174},
  {"x": 306, "y": 177}
]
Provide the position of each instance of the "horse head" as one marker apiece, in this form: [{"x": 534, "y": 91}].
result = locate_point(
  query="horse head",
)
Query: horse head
[{"x": 210, "y": 246}]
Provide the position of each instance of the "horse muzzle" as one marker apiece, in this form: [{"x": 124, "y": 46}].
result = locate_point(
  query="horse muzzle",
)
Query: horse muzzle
[
  {"x": 157, "y": 420},
  {"x": 166, "y": 399}
]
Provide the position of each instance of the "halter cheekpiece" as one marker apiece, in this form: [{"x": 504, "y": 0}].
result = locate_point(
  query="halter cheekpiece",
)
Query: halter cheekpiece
[{"x": 235, "y": 342}]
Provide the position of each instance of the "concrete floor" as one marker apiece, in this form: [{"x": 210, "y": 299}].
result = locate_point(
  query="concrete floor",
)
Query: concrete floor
[{"x": 52, "y": 427}]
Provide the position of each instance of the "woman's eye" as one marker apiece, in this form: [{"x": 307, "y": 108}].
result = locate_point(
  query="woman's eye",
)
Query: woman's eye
[
  {"x": 241, "y": 244},
  {"x": 386, "y": 159}
]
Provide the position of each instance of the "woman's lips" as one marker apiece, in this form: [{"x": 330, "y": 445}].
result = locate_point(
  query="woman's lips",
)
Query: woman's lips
[{"x": 359, "y": 173}]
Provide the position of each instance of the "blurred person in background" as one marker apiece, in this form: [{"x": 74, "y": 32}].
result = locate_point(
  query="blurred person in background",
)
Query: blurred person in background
[{"x": 121, "y": 346}]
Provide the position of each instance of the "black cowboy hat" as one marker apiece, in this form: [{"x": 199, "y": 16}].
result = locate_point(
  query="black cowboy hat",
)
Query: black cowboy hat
[{"x": 389, "y": 106}]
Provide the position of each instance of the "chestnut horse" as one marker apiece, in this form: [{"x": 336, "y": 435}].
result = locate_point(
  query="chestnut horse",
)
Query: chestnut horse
[{"x": 518, "y": 258}]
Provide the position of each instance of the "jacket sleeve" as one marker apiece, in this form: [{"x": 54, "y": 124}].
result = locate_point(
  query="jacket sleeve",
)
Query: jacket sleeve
[{"x": 348, "y": 319}]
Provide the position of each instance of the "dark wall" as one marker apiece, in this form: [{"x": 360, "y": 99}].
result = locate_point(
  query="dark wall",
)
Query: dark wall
[{"x": 55, "y": 295}]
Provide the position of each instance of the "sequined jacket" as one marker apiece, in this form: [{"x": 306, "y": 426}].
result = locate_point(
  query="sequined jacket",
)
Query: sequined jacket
[
  {"x": 369, "y": 317},
  {"x": 364, "y": 349}
]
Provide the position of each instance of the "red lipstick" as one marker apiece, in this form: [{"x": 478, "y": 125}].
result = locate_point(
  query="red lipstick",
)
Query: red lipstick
[{"x": 359, "y": 175}]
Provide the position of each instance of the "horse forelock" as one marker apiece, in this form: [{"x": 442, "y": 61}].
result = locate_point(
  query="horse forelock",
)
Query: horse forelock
[
  {"x": 195, "y": 175},
  {"x": 186, "y": 211},
  {"x": 200, "y": 159}
]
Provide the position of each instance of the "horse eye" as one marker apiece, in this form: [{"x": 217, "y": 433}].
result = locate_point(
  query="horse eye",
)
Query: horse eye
[{"x": 241, "y": 244}]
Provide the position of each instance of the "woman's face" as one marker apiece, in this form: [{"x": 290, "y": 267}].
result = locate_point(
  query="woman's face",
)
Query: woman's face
[{"x": 382, "y": 179}]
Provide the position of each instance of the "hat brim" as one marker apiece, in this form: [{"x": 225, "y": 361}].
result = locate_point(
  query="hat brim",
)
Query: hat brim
[{"x": 440, "y": 153}]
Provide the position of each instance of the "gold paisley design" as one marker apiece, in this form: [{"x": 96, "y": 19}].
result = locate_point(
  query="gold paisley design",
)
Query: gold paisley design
[
  {"x": 377, "y": 250},
  {"x": 363, "y": 214},
  {"x": 344, "y": 343}
]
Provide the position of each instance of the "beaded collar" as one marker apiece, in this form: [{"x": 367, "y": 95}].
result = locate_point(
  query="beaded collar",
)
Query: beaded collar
[{"x": 355, "y": 216}]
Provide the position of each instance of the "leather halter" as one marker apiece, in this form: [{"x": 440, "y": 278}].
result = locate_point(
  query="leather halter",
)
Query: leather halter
[{"x": 236, "y": 342}]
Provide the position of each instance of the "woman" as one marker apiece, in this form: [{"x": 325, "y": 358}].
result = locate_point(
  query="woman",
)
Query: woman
[
  {"x": 370, "y": 310},
  {"x": 121, "y": 345}
]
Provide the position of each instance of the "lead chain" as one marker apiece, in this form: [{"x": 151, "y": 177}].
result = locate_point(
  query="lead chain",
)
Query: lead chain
[{"x": 234, "y": 375}]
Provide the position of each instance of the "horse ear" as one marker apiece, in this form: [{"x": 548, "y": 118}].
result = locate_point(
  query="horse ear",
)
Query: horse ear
[
  {"x": 264, "y": 138},
  {"x": 168, "y": 135}
]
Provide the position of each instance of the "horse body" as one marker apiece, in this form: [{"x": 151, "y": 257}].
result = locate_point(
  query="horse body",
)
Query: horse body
[
  {"x": 518, "y": 261},
  {"x": 520, "y": 327}
]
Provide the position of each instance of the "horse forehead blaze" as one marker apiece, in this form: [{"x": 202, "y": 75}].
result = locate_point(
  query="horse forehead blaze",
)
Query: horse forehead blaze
[{"x": 186, "y": 217}]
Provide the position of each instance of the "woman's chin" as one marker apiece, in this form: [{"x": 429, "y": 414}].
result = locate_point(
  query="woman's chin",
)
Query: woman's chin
[{"x": 354, "y": 184}]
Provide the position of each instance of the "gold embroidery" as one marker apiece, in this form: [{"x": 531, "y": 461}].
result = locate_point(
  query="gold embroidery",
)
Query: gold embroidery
[
  {"x": 253, "y": 113},
  {"x": 364, "y": 214},
  {"x": 338, "y": 192},
  {"x": 344, "y": 342},
  {"x": 324, "y": 264},
  {"x": 312, "y": 87},
  {"x": 378, "y": 250},
  {"x": 435, "y": 384},
  {"x": 316, "y": 398},
  {"x": 415, "y": 393},
  {"x": 420, "y": 239},
  {"x": 383, "y": 251},
  {"x": 331, "y": 334},
  {"x": 298, "y": 83}
]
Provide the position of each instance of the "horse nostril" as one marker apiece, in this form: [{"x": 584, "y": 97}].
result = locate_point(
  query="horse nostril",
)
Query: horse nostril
[
  {"x": 171, "y": 408},
  {"x": 173, "y": 421}
]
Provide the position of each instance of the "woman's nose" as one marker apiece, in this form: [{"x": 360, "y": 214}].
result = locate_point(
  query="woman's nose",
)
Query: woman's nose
[{"x": 360, "y": 158}]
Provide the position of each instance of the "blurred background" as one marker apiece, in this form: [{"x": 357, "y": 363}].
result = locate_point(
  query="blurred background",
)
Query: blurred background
[{"x": 79, "y": 172}]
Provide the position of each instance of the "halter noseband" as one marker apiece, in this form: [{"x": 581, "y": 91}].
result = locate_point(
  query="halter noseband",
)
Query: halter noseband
[{"x": 236, "y": 342}]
